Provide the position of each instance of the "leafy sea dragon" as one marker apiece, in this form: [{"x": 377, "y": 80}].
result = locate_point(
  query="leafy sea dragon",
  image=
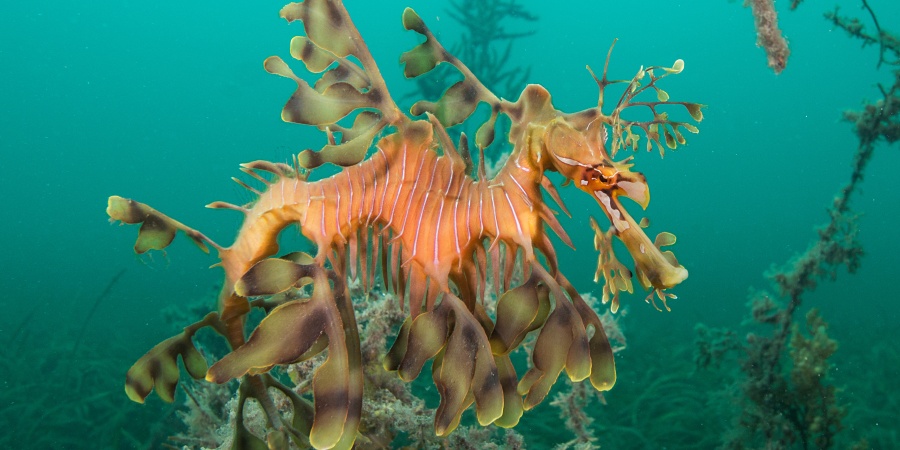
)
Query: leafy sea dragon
[{"x": 440, "y": 232}]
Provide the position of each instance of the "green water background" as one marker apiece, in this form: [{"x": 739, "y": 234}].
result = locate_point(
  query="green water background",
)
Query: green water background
[{"x": 160, "y": 101}]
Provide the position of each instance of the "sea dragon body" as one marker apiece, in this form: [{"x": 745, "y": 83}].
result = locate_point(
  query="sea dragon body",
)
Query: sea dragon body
[{"x": 415, "y": 208}]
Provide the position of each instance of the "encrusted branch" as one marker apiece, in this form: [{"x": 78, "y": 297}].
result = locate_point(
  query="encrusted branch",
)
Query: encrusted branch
[
  {"x": 768, "y": 35},
  {"x": 789, "y": 401}
]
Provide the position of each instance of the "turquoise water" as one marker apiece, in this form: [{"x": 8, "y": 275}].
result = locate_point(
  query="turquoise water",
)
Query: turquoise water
[{"x": 161, "y": 101}]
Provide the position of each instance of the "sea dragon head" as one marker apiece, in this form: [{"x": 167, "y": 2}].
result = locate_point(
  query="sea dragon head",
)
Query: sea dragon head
[
  {"x": 580, "y": 156},
  {"x": 581, "y": 147}
]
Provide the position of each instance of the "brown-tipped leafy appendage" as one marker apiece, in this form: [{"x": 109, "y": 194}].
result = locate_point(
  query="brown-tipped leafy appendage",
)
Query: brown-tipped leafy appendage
[
  {"x": 344, "y": 87},
  {"x": 459, "y": 100},
  {"x": 296, "y": 331},
  {"x": 158, "y": 369},
  {"x": 464, "y": 369},
  {"x": 520, "y": 311},
  {"x": 645, "y": 80},
  {"x": 157, "y": 229},
  {"x": 616, "y": 276}
]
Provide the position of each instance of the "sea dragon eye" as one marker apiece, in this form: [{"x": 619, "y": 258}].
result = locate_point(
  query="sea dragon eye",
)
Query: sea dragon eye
[{"x": 598, "y": 175}]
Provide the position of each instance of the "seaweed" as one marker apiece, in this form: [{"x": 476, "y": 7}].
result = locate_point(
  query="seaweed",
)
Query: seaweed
[
  {"x": 55, "y": 398},
  {"x": 786, "y": 394},
  {"x": 87, "y": 320}
]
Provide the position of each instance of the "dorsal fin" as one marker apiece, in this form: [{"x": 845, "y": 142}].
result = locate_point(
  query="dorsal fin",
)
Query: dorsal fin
[
  {"x": 278, "y": 169},
  {"x": 226, "y": 205},
  {"x": 246, "y": 186},
  {"x": 255, "y": 175}
]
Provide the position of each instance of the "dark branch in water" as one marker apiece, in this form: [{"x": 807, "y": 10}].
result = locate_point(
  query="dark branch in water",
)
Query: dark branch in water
[{"x": 103, "y": 295}]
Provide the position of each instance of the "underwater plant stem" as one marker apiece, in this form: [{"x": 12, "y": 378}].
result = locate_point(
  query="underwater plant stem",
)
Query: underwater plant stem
[
  {"x": 259, "y": 391},
  {"x": 200, "y": 407},
  {"x": 87, "y": 320},
  {"x": 829, "y": 250},
  {"x": 25, "y": 321},
  {"x": 802, "y": 277},
  {"x": 868, "y": 8}
]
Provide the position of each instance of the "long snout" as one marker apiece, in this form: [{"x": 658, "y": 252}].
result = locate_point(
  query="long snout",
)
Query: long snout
[{"x": 655, "y": 269}]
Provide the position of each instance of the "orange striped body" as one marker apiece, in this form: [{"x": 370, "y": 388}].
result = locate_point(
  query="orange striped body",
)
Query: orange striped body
[{"x": 422, "y": 204}]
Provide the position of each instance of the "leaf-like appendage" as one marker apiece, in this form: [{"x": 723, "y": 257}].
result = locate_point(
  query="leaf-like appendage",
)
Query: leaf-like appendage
[
  {"x": 519, "y": 311},
  {"x": 283, "y": 336},
  {"x": 302, "y": 258},
  {"x": 157, "y": 229},
  {"x": 465, "y": 372},
  {"x": 362, "y": 123},
  {"x": 660, "y": 126},
  {"x": 269, "y": 277},
  {"x": 513, "y": 407},
  {"x": 412, "y": 21},
  {"x": 298, "y": 330},
  {"x": 603, "y": 364},
  {"x": 485, "y": 134},
  {"x": 311, "y": 107},
  {"x": 326, "y": 24},
  {"x": 420, "y": 60},
  {"x": 315, "y": 58},
  {"x": 299, "y": 258},
  {"x": 154, "y": 234},
  {"x": 344, "y": 72},
  {"x": 423, "y": 57},
  {"x": 349, "y": 152},
  {"x": 276, "y": 66},
  {"x": 397, "y": 352},
  {"x": 617, "y": 277},
  {"x": 458, "y": 101},
  {"x": 158, "y": 368},
  {"x": 426, "y": 337},
  {"x": 696, "y": 112},
  {"x": 308, "y": 106},
  {"x": 562, "y": 343},
  {"x": 664, "y": 239},
  {"x": 456, "y": 105},
  {"x": 347, "y": 84}
]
